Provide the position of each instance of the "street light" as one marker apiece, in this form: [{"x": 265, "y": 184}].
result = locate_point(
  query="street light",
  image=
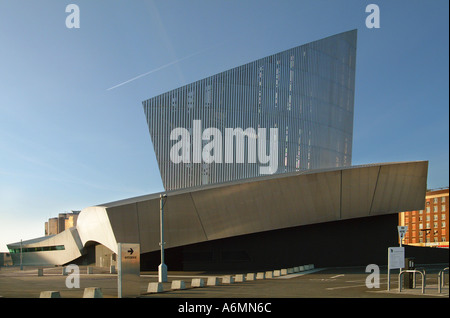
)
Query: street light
[
  {"x": 162, "y": 268},
  {"x": 21, "y": 265},
  {"x": 426, "y": 231}
]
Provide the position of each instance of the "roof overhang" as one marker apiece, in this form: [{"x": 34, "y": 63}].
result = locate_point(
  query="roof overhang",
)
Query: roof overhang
[{"x": 260, "y": 204}]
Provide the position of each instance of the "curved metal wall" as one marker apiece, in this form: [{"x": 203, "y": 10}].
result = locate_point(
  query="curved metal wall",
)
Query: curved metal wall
[
  {"x": 306, "y": 92},
  {"x": 262, "y": 204},
  {"x": 259, "y": 205}
]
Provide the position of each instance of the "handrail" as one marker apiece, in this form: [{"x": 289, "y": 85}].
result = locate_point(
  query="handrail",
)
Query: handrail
[
  {"x": 411, "y": 271},
  {"x": 441, "y": 279}
]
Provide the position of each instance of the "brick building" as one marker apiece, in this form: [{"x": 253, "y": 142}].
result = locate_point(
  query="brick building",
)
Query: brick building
[{"x": 428, "y": 227}]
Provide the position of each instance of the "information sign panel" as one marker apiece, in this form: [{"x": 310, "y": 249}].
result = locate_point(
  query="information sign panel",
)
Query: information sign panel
[
  {"x": 129, "y": 270},
  {"x": 396, "y": 257}
]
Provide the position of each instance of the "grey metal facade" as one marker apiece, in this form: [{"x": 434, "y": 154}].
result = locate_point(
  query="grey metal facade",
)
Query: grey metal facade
[
  {"x": 221, "y": 211},
  {"x": 259, "y": 204},
  {"x": 306, "y": 92}
]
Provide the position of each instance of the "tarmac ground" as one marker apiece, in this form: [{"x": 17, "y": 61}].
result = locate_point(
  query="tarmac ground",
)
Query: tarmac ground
[{"x": 347, "y": 282}]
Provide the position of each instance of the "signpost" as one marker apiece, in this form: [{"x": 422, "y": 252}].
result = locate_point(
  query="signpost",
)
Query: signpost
[
  {"x": 162, "y": 268},
  {"x": 129, "y": 270},
  {"x": 396, "y": 259},
  {"x": 401, "y": 233},
  {"x": 396, "y": 255},
  {"x": 21, "y": 265}
]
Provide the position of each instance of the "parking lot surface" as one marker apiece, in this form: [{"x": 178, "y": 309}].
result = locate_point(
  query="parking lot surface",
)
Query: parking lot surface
[{"x": 352, "y": 282}]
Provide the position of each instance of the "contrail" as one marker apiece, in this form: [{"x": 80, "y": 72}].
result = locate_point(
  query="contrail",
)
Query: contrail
[{"x": 158, "y": 69}]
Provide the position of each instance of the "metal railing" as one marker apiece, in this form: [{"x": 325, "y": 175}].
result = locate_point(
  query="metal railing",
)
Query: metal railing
[
  {"x": 414, "y": 271},
  {"x": 441, "y": 279},
  {"x": 420, "y": 269}
]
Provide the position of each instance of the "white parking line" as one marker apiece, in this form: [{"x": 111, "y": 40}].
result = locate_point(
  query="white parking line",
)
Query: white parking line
[
  {"x": 351, "y": 286},
  {"x": 300, "y": 273},
  {"x": 342, "y": 287}
]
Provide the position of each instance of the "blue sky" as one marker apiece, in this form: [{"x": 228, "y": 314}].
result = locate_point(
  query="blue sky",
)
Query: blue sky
[{"x": 68, "y": 141}]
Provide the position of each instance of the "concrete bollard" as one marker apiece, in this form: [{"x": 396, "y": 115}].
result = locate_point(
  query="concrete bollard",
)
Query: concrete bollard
[
  {"x": 40, "y": 272},
  {"x": 197, "y": 282},
  {"x": 296, "y": 269},
  {"x": 212, "y": 281},
  {"x": 178, "y": 284},
  {"x": 276, "y": 273},
  {"x": 92, "y": 292},
  {"x": 290, "y": 270},
  {"x": 50, "y": 294},
  {"x": 269, "y": 274},
  {"x": 155, "y": 288},
  {"x": 283, "y": 272},
  {"x": 239, "y": 278},
  {"x": 227, "y": 279},
  {"x": 250, "y": 276},
  {"x": 261, "y": 275},
  {"x": 301, "y": 268}
]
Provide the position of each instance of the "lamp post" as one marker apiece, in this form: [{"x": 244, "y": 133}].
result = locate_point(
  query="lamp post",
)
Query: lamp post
[
  {"x": 21, "y": 265},
  {"x": 162, "y": 268},
  {"x": 426, "y": 231}
]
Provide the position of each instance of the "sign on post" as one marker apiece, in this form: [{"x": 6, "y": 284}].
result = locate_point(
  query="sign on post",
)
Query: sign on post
[
  {"x": 396, "y": 259},
  {"x": 129, "y": 270},
  {"x": 401, "y": 233}
]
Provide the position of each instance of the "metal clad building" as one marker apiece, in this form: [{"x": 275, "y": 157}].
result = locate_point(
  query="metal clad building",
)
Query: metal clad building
[
  {"x": 306, "y": 92},
  {"x": 237, "y": 217},
  {"x": 315, "y": 208}
]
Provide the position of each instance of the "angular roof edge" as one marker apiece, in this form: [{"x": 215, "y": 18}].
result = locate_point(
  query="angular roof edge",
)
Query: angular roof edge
[
  {"x": 248, "y": 180},
  {"x": 355, "y": 31}
]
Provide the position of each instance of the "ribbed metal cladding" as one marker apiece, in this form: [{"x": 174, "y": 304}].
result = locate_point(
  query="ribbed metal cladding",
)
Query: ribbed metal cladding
[{"x": 306, "y": 92}]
